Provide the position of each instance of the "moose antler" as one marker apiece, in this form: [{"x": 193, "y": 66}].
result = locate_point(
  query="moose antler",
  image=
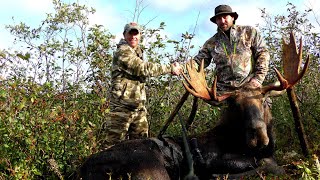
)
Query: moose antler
[
  {"x": 291, "y": 64},
  {"x": 291, "y": 59},
  {"x": 198, "y": 84}
]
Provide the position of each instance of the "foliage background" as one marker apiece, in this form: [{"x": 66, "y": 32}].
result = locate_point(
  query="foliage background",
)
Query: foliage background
[{"x": 54, "y": 92}]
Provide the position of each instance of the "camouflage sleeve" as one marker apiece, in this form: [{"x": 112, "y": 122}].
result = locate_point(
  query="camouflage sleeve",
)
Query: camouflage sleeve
[
  {"x": 261, "y": 57},
  {"x": 129, "y": 62},
  {"x": 204, "y": 54}
]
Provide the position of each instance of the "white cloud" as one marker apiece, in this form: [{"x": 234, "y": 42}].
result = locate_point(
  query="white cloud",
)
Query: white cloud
[
  {"x": 36, "y": 6},
  {"x": 177, "y": 5},
  {"x": 25, "y": 7},
  {"x": 106, "y": 16},
  {"x": 110, "y": 18},
  {"x": 249, "y": 14}
]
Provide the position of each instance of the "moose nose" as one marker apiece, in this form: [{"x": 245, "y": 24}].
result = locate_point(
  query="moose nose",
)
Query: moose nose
[
  {"x": 256, "y": 142},
  {"x": 258, "y": 135}
]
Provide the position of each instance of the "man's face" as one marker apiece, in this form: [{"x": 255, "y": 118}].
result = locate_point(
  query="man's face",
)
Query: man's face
[
  {"x": 132, "y": 37},
  {"x": 224, "y": 21}
]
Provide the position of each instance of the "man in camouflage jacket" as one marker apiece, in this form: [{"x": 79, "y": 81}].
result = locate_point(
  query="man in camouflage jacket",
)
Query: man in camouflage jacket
[
  {"x": 128, "y": 96},
  {"x": 239, "y": 52}
]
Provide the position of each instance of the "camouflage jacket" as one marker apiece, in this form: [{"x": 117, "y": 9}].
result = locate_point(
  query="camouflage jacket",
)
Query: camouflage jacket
[
  {"x": 129, "y": 73},
  {"x": 238, "y": 59}
]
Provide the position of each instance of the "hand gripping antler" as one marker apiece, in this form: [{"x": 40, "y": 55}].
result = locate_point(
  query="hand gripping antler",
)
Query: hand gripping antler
[
  {"x": 291, "y": 59},
  {"x": 198, "y": 85}
]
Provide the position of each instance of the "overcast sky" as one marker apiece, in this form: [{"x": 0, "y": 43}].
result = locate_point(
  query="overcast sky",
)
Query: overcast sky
[{"x": 179, "y": 15}]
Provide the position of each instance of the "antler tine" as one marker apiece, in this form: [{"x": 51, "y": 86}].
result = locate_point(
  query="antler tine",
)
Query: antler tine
[
  {"x": 292, "y": 60},
  {"x": 197, "y": 81},
  {"x": 291, "y": 64},
  {"x": 283, "y": 83},
  {"x": 214, "y": 88},
  {"x": 214, "y": 95},
  {"x": 197, "y": 84}
]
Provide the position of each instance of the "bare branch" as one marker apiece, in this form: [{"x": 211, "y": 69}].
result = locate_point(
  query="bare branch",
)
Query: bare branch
[{"x": 313, "y": 12}]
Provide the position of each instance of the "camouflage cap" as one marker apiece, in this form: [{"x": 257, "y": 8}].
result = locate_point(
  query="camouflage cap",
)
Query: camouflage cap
[{"x": 132, "y": 25}]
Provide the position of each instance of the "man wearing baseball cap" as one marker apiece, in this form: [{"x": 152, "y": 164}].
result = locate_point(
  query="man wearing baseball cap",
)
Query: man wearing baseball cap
[
  {"x": 128, "y": 96},
  {"x": 239, "y": 52}
]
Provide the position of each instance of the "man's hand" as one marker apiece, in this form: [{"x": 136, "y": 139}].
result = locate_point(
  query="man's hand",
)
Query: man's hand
[{"x": 176, "y": 68}]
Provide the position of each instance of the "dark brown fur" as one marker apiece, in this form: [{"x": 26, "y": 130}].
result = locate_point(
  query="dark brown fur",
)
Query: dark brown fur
[
  {"x": 242, "y": 140},
  {"x": 134, "y": 159}
]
